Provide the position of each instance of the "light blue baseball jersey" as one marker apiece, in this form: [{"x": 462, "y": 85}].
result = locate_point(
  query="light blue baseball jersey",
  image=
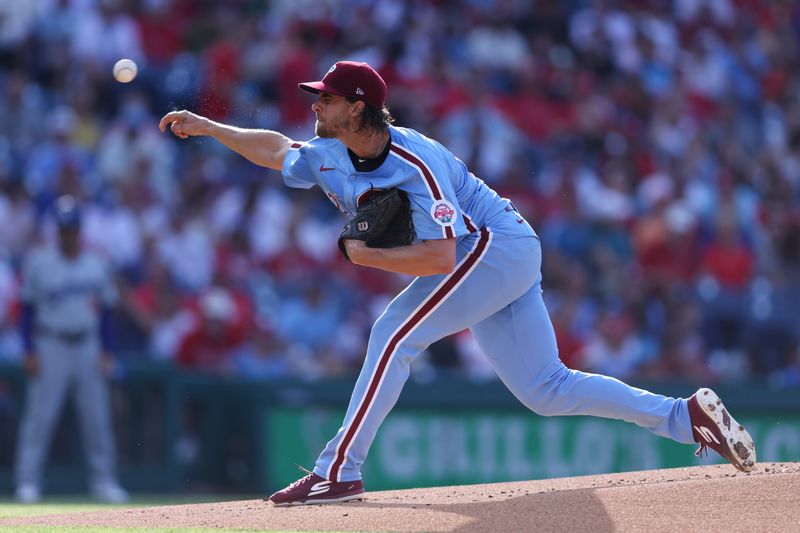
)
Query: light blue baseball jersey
[{"x": 446, "y": 199}]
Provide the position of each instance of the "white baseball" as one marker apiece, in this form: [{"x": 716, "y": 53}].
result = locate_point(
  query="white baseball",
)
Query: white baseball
[{"x": 125, "y": 70}]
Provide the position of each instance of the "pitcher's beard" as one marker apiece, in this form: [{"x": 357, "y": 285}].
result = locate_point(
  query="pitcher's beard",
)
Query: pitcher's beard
[
  {"x": 322, "y": 131},
  {"x": 328, "y": 132}
]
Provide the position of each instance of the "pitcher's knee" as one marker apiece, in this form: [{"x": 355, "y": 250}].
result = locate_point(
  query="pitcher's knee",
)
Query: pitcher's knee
[
  {"x": 545, "y": 407},
  {"x": 549, "y": 394}
]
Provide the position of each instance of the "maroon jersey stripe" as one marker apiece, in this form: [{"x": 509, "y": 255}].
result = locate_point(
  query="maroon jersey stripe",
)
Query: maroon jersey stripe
[
  {"x": 297, "y": 145},
  {"x": 414, "y": 160},
  {"x": 472, "y": 228},
  {"x": 429, "y": 179},
  {"x": 440, "y": 294}
]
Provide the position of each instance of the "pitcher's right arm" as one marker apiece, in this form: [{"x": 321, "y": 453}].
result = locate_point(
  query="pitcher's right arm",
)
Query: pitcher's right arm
[{"x": 263, "y": 147}]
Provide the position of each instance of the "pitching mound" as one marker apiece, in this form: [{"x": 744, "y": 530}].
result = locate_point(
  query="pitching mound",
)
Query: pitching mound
[{"x": 707, "y": 498}]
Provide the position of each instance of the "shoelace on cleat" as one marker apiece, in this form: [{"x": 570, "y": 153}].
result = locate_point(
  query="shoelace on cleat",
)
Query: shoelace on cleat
[
  {"x": 306, "y": 470},
  {"x": 294, "y": 484}
]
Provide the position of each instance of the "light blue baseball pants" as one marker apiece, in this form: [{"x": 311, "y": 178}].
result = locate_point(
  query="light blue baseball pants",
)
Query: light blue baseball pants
[{"x": 495, "y": 291}]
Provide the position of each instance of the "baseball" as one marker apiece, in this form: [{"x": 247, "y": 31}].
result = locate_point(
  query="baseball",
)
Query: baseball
[{"x": 125, "y": 70}]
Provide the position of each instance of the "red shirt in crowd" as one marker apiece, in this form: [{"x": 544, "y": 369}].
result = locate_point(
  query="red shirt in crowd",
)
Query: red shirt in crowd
[
  {"x": 732, "y": 266},
  {"x": 207, "y": 348}
]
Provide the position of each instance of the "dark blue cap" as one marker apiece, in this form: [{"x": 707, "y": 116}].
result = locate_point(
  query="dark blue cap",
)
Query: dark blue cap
[{"x": 67, "y": 213}]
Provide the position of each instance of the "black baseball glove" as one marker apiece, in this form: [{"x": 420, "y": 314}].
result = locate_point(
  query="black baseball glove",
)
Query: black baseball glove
[{"x": 383, "y": 220}]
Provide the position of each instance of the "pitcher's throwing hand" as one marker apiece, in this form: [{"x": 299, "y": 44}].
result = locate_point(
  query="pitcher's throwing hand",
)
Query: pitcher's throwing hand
[{"x": 185, "y": 124}]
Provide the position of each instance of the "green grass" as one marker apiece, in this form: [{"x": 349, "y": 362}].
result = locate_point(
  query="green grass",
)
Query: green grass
[
  {"x": 11, "y": 509},
  {"x": 15, "y": 510},
  {"x": 86, "y": 529}
]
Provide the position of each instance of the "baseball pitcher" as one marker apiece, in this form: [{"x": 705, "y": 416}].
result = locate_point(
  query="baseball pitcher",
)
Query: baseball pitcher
[{"x": 416, "y": 209}]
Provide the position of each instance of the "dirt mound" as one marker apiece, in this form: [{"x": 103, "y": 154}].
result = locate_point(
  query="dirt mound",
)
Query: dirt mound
[{"x": 706, "y": 498}]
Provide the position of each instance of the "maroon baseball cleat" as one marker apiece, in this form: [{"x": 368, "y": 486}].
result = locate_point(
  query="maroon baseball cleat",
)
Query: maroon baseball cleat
[
  {"x": 713, "y": 427},
  {"x": 313, "y": 489}
]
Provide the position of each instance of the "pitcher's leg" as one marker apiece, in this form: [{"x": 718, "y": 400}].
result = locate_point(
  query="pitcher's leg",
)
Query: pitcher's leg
[
  {"x": 377, "y": 389},
  {"x": 430, "y": 308},
  {"x": 520, "y": 342}
]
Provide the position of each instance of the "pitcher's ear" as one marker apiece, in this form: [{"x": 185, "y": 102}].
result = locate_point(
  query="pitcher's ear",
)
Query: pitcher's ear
[{"x": 357, "y": 108}]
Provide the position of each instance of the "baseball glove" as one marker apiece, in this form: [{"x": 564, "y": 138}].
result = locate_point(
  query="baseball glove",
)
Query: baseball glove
[{"x": 383, "y": 220}]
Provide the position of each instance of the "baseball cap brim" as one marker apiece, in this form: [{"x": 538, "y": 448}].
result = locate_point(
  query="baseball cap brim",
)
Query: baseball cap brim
[{"x": 316, "y": 87}]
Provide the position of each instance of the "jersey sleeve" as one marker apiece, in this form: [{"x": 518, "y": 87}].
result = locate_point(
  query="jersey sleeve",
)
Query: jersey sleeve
[
  {"x": 435, "y": 209},
  {"x": 297, "y": 169}
]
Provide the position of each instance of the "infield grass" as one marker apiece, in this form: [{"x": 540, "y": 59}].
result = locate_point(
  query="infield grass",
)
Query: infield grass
[
  {"x": 11, "y": 509},
  {"x": 92, "y": 529},
  {"x": 77, "y": 504}
]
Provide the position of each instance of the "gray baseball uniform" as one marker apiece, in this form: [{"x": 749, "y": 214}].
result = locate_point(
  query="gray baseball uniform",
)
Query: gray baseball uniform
[{"x": 66, "y": 296}]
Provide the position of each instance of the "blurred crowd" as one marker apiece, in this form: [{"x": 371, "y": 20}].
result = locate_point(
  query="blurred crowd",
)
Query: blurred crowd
[{"x": 654, "y": 145}]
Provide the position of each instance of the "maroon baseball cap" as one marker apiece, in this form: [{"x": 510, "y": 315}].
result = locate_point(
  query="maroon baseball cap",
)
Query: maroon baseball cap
[{"x": 353, "y": 80}]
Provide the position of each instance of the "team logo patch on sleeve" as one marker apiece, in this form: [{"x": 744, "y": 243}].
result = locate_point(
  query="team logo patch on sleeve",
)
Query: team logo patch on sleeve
[{"x": 443, "y": 213}]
